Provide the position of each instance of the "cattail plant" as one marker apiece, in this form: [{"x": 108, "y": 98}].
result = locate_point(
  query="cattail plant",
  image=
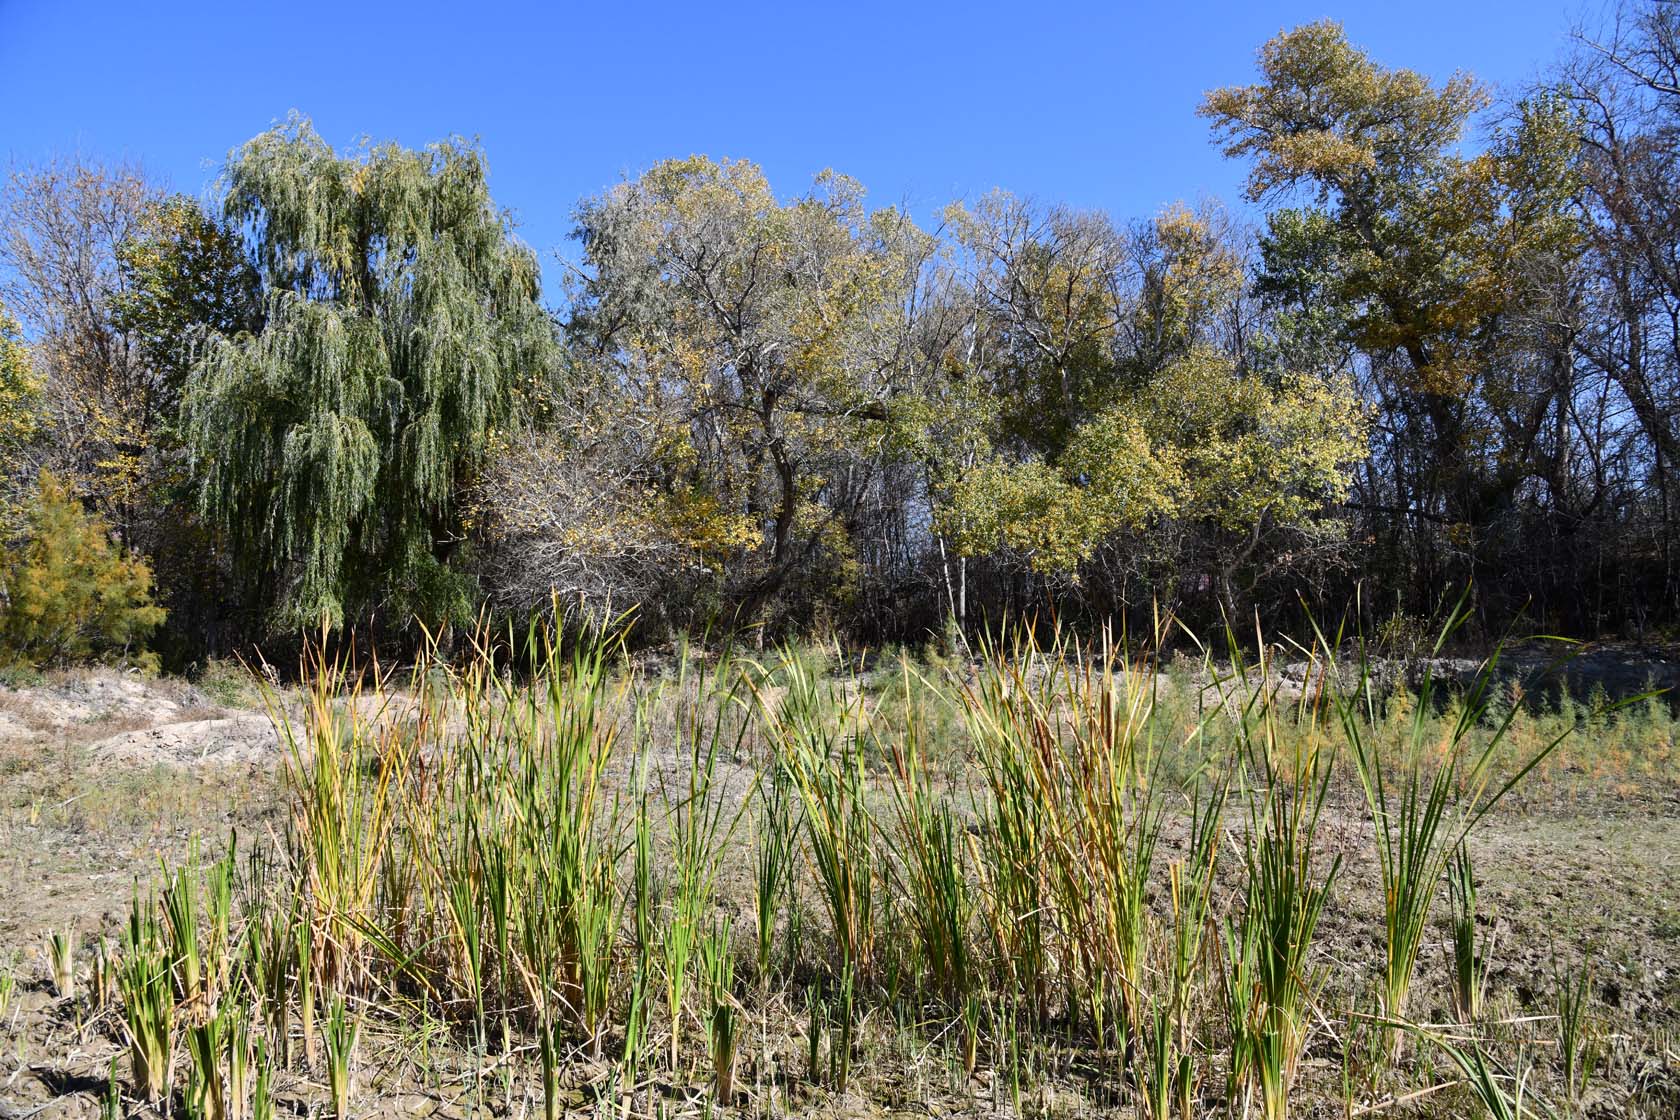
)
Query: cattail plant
[
  {"x": 972, "y": 1008},
  {"x": 1501, "y": 1093},
  {"x": 929, "y": 862},
  {"x": 342, "y": 763},
  {"x": 1422, "y": 811},
  {"x": 61, "y": 962},
  {"x": 222, "y": 1062},
  {"x": 181, "y": 911},
  {"x": 816, "y": 1024},
  {"x": 102, "y": 976},
  {"x": 1105, "y": 842},
  {"x": 699, "y": 822},
  {"x": 1070, "y": 826},
  {"x": 1157, "y": 1069},
  {"x": 341, "y": 1034},
  {"x": 303, "y": 937},
  {"x": 110, "y": 1101},
  {"x": 262, "y": 1086},
  {"x": 1192, "y": 886},
  {"x": 722, "y": 1016},
  {"x": 461, "y": 894},
  {"x": 594, "y": 932},
  {"x": 814, "y": 734},
  {"x": 774, "y": 855},
  {"x": 219, "y": 947},
  {"x": 1239, "y": 952},
  {"x": 499, "y": 889},
  {"x": 241, "y": 1055},
  {"x": 206, "y": 1087},
  {"x": 1285, "y": 895},
  {"x": 1469, "y": 951},
  {"x": 549, "y": 1032},
  {"x": 642, "y": 919},
  {"x": 842, "y": 1023},
  {"x": 1577, "y": 1044},
  {"x": 271, "y": 958},
  {"x": 146, "y": 979},
  {"x": 560, "y": 740},
  {"x": 1008, "y": 722}
]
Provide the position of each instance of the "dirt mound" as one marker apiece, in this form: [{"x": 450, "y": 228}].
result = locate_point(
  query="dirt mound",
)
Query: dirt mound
[
  {"x": 97, "y": 696},
  {"x": 236, "y": 738},
  {"x": 129, "y": 720}
]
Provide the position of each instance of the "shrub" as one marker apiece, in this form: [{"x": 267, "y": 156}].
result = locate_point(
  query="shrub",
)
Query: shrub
[{"x": 67, "y": 591}]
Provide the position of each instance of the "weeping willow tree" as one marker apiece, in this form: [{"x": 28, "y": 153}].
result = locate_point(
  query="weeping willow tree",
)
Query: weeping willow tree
[{"x": 400, "y": 315}]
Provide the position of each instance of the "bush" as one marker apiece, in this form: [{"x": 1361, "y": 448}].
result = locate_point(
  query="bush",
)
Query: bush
[
  {"x": 229, "y": 684},
  {"x": 67, "y": 592}
]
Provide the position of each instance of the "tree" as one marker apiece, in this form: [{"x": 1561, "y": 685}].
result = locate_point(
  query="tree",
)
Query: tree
[
  {"x": 118, "y": 284},
  {"x": 1048, "y": 292},
  {"x": 62, "y": 226},
  {"x": 399, "y": 314},
  {"x": 67, "y": 592},
  {"x": 19, "y": 386},
  {"x": 756, "y": 348},
  {"x": 1624, "y": 80},
  {"x": 1201, "y": 443},
  {"x": 1426, "y": 263},
  {"x": 1127, "y": 427},
  {"x": 20, "y": 417},
  {"x": 184, "y": 278}
]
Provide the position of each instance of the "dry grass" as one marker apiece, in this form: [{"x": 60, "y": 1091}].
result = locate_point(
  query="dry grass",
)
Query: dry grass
[{"x": 534, "y": 894}]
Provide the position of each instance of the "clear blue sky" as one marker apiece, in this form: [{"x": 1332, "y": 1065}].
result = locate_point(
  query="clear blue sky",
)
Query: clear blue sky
[{"x": 1088, "y": 103}]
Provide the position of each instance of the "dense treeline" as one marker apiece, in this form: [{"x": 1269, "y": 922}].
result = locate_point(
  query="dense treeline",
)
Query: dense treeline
[{"x": 1448, "y": 354}]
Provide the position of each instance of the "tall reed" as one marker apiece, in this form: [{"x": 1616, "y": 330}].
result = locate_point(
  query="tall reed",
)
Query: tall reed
[
  {"x": 775, "y": 852},
  {"x": 927, "y": 843},
  {"x": 1191, "y": 882},
  {"x": 61, "y": 961},
  {"x": 1069, "y": 824},
  {"x": 1423, "y": 807},
  {"x": 145, "y": 980},
  {"x": 722, "y": 1014},
  {"x": 701, "y": 821},
  {"x": 813, "y": 728},
  {"x": 1469, "y": 948},
  {"x": 1285, "y": 785},
  {"x": 1578, "y": 1042},
  {"x": 354, "y": 742}
]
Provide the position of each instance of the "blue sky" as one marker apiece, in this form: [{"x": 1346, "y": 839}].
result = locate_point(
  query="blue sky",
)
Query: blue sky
[{"x": 1088, "y": 103}]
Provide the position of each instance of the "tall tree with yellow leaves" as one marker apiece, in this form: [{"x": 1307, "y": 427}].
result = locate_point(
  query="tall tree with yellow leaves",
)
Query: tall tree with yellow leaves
[{"x": 1434, "y": 268}]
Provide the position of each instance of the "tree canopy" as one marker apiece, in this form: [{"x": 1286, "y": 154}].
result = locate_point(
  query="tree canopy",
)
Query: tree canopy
[
  {"x": 399, "y": 313},
  {"x": 1442, "y": 351},
  {"x": 752, "y": 348}
]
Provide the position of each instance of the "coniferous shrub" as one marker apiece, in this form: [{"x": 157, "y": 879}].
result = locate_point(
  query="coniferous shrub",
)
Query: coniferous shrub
[{"x": 68, "y": 592}]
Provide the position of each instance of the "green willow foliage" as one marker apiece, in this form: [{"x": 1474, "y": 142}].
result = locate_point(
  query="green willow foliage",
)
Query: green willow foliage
[{"x": 400, "y": 313}]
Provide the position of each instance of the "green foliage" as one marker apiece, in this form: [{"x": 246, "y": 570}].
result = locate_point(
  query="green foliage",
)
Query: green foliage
[
  {"x": 1449, "y": 339},
  {"x": 20, "y": 414},
  {"x": 399, "y": 312},
  {"x": 20, "y": 388},
  {"x": 749, "y": 343},
  {"x": 68, "y": 592},
  {"x": 1328, "y": 117},
  {"x": 183, "y": 275},
  {"x": 1444, "y": 274},
  {"x": 1115, "y": 409},
  {"x": 1201, "y": 442}
]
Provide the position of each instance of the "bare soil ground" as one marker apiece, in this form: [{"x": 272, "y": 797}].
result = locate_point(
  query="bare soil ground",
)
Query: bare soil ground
[{"x": 103, "y": 775}]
